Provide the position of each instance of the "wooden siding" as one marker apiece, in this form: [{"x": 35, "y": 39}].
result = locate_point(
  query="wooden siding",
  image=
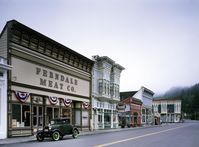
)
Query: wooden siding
[
  {"x": 30, "y": 39},
  {"x": 3, "y": 44}
]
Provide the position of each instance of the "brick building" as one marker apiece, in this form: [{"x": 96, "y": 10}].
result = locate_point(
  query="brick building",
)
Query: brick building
[{"x": 134, "y": 112}]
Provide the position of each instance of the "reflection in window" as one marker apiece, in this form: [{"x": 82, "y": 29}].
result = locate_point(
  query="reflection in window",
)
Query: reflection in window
[
  {"x": 26, "y": 115},
  {"x": 100, "y": 118},
  {"x": 56, "y": 112},
  {"x": 66, "y": 113},
  {"x": 51, "y": 114},
  {"x": 20, "y": 115}
]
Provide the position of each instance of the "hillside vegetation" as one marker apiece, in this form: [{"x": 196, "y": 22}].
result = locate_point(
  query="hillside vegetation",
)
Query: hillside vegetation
[{"x": 190, "y": 100}]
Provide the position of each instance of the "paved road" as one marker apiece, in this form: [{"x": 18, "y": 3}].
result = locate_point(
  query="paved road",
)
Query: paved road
[{"x": 173, "y": 135}]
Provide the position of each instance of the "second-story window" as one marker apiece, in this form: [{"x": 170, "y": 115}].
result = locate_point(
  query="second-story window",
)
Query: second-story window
[
  {"x": 100, "y": 86},
  {"x": 112, "y": 90},
  {"x": 159, "y": 108},
  {"x": 105, "y": 87},
  {"x": 108, "y": 89}
]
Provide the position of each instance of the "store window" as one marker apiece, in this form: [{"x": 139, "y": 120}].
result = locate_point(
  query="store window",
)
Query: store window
[
  {"x": 107, "y": 117},
  {"x": 66, "y": 113},
  {"x": 51, "y": 114},
  {"x": 100, "y": 118},
  {"x": 37, "y": 115},
  {"x": 20, "y": 115},
  {"x": 159, "y": 108},
  {"x": 143, "y": 118}
]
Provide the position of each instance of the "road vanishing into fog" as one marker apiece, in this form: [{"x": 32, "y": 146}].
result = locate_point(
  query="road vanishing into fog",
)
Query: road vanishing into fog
[{"x": 171, "y": 135}]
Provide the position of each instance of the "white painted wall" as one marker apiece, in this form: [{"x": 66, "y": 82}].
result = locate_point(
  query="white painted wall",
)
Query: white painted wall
[
  {"x": 3, "y": 106},
  {"x": 164, "y": 103},
  {"x": 104, "y": 69},
  {"x": 146, "y": 99}
]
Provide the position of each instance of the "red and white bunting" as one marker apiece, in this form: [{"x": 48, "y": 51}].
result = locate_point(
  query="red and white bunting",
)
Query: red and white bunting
[
  {"x": 86, "y": 105},
  {"x": 22, "y": 96},
  {"x": 67, "y": 102},
  {"x": 53, "y": 100}
]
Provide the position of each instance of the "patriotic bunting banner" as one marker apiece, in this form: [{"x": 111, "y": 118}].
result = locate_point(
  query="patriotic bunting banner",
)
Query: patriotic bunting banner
[
  {"x": 22, "y": 96},
  {"x": 86, "y": 105},
  {"x": 67, "y": 102},
  {"x": 53, "y": 100}
]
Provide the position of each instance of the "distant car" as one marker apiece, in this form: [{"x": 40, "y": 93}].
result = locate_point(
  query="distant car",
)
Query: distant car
[{"x": 57, "y": 129}]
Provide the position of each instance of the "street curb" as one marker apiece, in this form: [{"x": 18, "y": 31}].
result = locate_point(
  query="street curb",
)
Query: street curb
[{"x": 33, "y": 138}]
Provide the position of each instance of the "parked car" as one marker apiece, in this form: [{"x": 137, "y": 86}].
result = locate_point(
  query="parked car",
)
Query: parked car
[{"x": 57, "y": 129}]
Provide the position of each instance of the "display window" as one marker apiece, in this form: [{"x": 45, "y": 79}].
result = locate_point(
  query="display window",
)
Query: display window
[
  {"x": 66, "y": 113},
  {"x": 37, "y": 116},
  {"x": 20, "y": 115},
  {"x": 51, "y": 113}
]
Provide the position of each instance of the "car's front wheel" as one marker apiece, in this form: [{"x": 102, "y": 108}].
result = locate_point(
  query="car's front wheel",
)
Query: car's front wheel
[
  {"x": 40, "y": 137},
  {"x": 75, "y": 133},
  {"x": 55, "y": 135}
]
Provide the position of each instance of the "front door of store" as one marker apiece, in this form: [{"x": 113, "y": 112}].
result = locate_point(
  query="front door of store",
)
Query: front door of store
[{"x": 37, "y": 117}]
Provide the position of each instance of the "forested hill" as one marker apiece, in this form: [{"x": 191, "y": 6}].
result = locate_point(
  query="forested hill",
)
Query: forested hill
[{"x": 190, "y": 99}]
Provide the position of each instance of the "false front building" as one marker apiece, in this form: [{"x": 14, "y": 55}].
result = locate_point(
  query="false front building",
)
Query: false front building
[
  {"x": 167, "y": 110},
  {"x": 105, "y": 92},
  {"x": 47, "y": 80},
  {"x": 143, "y": 97},
  {"x": 4, "y": 67},
  {"x": 131, "y": 116}
]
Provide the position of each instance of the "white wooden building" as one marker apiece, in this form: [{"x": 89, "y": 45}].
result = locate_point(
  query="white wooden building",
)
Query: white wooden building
[
  {"x": 167, "y": 110},
  {"x": 105, "y": 92},
  {"x": 146, "y": 96},
  {"x": 3, "y": 95}
]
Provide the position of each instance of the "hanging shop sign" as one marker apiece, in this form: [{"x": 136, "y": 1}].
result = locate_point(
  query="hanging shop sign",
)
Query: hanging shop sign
[{"x": 121, "y": 107}]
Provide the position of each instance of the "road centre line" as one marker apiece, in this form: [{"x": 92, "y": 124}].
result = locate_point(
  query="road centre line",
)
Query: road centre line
[{"x": 137, "y": 137}]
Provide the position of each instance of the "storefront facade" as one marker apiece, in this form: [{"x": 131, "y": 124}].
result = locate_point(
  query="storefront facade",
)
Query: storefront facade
[
  {"x": 105, "y": 93},
  {"x": 167, "y": 110},
  {"x": 146, "y": 96},
  {"x": 135, "y": 108},
  {"x": 3, "y": 96},
  {"x": 48, "y": 80},
  {"x": 142, "y": 97}
]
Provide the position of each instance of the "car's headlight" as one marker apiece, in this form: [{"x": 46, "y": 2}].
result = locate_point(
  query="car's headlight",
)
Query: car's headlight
[{"x": 50, "y": 127}]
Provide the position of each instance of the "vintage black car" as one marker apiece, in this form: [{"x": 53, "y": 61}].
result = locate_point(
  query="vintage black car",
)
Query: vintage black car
[{"x": 57, "y": 129}]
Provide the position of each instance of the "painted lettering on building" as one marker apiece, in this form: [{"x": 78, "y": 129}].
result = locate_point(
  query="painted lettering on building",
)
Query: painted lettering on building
[
  {"x": 41, "y": 76},
  {"x": 55, "y": 80}
]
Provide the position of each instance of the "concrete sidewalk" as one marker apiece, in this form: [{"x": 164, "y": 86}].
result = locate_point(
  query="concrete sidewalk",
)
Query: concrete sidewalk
[{"x": 82, "y": 133}]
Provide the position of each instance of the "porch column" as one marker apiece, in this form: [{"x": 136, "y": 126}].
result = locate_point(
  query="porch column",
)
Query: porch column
[
  {"x": 102, "y": 118},
  {"x": 96, "y": 121},
  {"x": 111, "y": 118}
]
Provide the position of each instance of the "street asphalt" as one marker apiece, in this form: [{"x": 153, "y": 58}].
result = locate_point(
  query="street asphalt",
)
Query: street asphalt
[
  {"x": 15, "y": 140},
  {"x": 167, "y": 135}
]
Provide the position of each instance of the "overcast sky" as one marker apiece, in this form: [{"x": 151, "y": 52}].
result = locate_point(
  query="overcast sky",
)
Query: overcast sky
[{"x": 157, "y": 41}]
